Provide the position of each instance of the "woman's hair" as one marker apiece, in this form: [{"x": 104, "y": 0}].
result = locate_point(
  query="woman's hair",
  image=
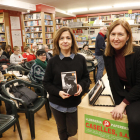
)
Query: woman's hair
[
  {"x": 85, "y": 46},
  {"x": 56, "y": 49},
  {"x": 8, "y": 46},
  {"x": 40, "y": 52},
  {"x": 26, "y": 48},
  {"x": 15, "y": 48},
  {"x": 3, "y": 47},
  {"x": 109, "y": 51}
]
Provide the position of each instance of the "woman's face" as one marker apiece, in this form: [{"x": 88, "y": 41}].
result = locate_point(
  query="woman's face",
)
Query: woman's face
[
  {"x": 42, "y": 57},
  {"x": 8, "y": 49},
  {"x": 86, "y": 48},
  {"x": 65, "y": 41},
  {"x": 118, "y": 37}
]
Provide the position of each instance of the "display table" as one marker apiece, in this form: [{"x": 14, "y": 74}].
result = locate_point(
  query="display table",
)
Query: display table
[{"x": 86, "y": 110}]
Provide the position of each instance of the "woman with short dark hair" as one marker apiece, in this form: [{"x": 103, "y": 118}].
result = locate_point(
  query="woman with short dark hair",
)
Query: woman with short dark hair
[
  {"x": 38, "y": 68},
  {"x": 66, "y": 59},
  {"x": 86, "y": 50}
]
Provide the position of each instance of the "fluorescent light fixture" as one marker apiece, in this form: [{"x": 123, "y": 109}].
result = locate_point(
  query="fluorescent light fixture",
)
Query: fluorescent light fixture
[
  {"x": 77, "y": 10},
  {"x": 64, "y": 12},
  {"x": 127, "y": 4},
  {"x": 100, "y": 8}
]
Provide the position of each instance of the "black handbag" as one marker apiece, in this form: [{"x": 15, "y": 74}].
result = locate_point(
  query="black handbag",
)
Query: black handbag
[{"x": 24, "y": 93}]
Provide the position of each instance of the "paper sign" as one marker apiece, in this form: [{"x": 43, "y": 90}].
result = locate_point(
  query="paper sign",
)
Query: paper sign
[{"x": 105, "y": 128}]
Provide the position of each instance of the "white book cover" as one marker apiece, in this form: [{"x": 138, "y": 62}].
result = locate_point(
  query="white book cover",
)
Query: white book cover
[{"x": 69, "y": 82}]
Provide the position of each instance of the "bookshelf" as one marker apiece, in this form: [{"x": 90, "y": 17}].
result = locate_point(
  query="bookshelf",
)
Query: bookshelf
[
  {"x": 39, "y": 28},
  {"x": 59, "y": 23},
  {"x": 2, "y": 30}
]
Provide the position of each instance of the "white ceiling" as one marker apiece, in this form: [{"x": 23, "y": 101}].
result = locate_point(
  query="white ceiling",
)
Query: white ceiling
[{"x": 75, "y": 4}]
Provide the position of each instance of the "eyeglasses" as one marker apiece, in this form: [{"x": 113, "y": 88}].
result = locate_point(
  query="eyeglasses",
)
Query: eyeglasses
[
  {"x": 17, "y": 50},
  {"x": 42, "y": 55}
]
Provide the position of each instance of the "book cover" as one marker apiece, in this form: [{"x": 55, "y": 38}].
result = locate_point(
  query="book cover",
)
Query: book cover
[
  {"x": 69, "y": 82},
  {"x": 96, "y": 91}
]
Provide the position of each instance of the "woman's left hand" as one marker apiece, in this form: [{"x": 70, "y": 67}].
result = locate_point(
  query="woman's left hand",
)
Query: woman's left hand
[
  {"x": 117, "y": 112},
  {"x": 79, "y": 88}
]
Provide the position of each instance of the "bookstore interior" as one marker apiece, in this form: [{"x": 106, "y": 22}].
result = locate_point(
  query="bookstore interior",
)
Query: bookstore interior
[
  {"x": 41, "y": 23},
  {"x": 25, "y": 22}
]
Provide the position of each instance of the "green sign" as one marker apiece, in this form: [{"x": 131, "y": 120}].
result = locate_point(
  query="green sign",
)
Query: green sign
[{"x": 105, "y": 128}]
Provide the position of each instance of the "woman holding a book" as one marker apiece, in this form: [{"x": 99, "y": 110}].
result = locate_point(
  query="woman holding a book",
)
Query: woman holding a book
[
  {"x": 65, "y": 60},
  {"x": 122, "y": 62}
]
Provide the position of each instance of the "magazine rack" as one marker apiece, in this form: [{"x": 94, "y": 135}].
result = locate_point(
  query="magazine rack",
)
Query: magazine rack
[{"x": 95, "y": 93}]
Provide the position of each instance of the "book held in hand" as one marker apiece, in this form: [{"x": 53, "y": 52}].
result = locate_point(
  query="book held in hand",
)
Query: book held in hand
[{"x": 69, "y": 82}]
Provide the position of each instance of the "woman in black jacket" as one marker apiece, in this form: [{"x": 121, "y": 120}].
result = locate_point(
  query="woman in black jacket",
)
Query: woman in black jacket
[
  {"x": 66, "y": 59},
  {"x": 122, "y": 62}
]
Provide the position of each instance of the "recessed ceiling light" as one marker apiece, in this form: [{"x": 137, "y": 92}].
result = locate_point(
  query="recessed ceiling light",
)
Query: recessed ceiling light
[{"x": 99, "y": 8}]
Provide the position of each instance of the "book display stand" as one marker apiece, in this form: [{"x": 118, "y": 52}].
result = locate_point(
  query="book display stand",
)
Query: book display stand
[{"x": 95, "y": 94}]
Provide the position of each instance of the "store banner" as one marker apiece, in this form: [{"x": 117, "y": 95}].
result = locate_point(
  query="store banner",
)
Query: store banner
[{"x": 105, "y": 128}]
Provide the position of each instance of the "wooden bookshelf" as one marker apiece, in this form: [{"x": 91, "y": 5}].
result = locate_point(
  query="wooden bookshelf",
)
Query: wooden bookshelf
[
  {"x": 4, "y": 21},
  {"x": 39, "y": 28},
  {"x": 59, "y": 24}
]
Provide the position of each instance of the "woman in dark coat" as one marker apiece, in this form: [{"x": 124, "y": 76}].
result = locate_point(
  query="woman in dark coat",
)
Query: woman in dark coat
[{"x": 122, "y": 62}]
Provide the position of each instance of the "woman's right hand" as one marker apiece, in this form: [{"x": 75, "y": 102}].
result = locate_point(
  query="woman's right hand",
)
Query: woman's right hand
[{"x": 64, "y": 95}]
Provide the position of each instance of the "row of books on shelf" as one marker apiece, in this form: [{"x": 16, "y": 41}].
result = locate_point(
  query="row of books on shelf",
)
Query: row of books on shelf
[
  {"x": 50, "y": 46},
  {"x": 84, "y": 20},
  {"x": 34, "y": 40},
  {"x": 49, "y": 35},
  {"x": 49, "y": 41},
  {"x": 1, "y": 19},
  {"x": 33, "y": 16},
  {"x": 2, "y": 37},
  {"x": 48, "y": 17},
  {"x": 81, "y": 37},
  {"x": 33, "y": 35},
  {"x": 78, "y": 31},
  {"x": 49, "y": 29},
  {"x": 2, "y": 28},
  {"x": 75, "y": 24},
  {"x": 135, "y": 30},
  {"x": 58, "y": 27},
  {"x": 33, "y": 29},
  {"x": 32, "y": 23},
  {"x": 48, "y": 22},
  {"x": 81, "y": 44},
  {"x": 40, "y": 46},
  {"x": 106, "y": 17},
  {"x": 58, "y": 21}
]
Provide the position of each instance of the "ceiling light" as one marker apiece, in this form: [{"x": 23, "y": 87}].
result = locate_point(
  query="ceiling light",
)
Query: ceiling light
[
  {"x": 77, "y": 10},
  {"x": 100, "y": 8},
  {"x": 127, "y": 4}
]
